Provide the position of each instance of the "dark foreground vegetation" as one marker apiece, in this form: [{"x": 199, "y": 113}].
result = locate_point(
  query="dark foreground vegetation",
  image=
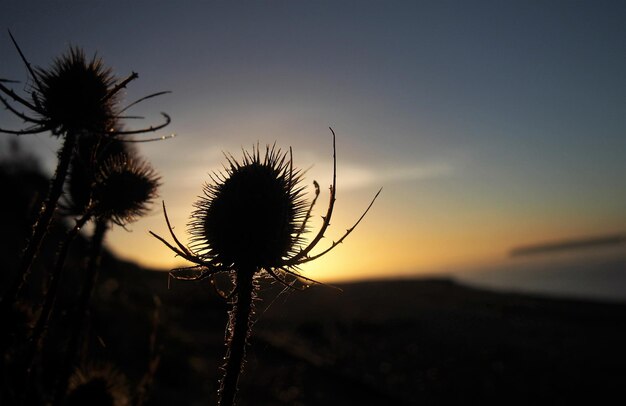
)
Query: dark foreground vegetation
[{"x": 423, "y": 342}]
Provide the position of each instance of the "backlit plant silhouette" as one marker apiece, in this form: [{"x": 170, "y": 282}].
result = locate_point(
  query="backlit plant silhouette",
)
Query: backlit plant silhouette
[
  {"x": 122, "y": 188},
  {"x": 250, "y": 222},
  {"x": 98, "y": 386},
  {"x": 74, "y": 97}
]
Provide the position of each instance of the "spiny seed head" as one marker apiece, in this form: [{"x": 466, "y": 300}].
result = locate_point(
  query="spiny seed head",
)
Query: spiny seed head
[
  {"x": 124, "y": 188},
  {"x": 92, "y": 151},
  {"x": 248, "y": 216},
  {"x": 73, "y": 94},
  {"x": 98, "y": 386}
]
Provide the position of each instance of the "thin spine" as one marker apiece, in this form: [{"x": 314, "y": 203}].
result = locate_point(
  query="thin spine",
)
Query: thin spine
[
  {"x": 19, "y": 99},
  {"x": 21, "y": 115},
  {"x": 28, "y": 65},
  {"x": 152, "y": 128},
  {"x": 144, "y": 98}
]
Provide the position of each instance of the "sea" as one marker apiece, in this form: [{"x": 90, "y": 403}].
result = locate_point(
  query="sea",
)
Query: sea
[{"x": 597, "y": 273}]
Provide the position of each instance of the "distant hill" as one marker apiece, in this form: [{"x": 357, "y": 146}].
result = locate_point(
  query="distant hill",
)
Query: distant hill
[{"x": 386, "y": 342}]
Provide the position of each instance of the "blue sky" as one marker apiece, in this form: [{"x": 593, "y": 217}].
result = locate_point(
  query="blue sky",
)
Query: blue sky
[{"x": 489, "y": 124}]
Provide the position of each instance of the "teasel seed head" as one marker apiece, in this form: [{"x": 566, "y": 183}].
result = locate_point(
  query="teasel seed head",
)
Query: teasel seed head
[
  {"x": 76, "y": 94},
  {"x": 92, "y": 151},
  {"x": 98, "y": 386},
  {"x": 124, "y": 188},
  {"x": 248, "y": 217}
]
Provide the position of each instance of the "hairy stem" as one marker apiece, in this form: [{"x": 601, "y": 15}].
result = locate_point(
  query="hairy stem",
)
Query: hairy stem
[
  {"x": 40, "y": 228},
  {"x": 239, "y": 328},
  {"x": 82, "y": 311}
]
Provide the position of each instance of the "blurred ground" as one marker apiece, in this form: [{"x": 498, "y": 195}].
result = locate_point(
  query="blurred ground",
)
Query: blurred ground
[{"x": 405, "y": 342}]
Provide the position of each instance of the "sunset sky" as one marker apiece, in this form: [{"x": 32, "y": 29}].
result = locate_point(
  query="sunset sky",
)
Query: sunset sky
[{"x": 488, "y": 124}]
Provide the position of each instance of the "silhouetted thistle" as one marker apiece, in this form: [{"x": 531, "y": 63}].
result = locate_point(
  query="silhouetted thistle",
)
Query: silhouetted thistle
[
  {"x": 116, "y": 186},
  {"x": 250, "y": 215},
  {"x": 73, "y": 94},
  {"x": 250, "y": 222},
  {"x": 123, "y": 189},
  {"x": 102, "y": 386},
  {"x": 71, "y": 98}
]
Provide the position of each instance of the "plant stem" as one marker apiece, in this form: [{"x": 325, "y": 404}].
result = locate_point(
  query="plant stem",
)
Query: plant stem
[
  {"x": 145, "y": 385},
  {"x": 40, "y": 228},
  {"x": 239, "y": 328},
  {"x": 82, "y": 311},
  {"x": 51, "y": 294}
]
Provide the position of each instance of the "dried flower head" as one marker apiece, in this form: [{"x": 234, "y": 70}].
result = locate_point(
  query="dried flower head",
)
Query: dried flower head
[
  {"x": 249, "y": 216},
  {"x": 123, "y": 189},
  {"x": 98, "y": 386},
  {"x": 252, "y": 218},
  {"x": 74, "y": 95}
]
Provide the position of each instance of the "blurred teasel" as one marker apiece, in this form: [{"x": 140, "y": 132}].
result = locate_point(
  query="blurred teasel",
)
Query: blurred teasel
[
  {"x": 73, "y": 97},
  {"x": 110, "y": 183},
  {"x": 90, "y": 154},
  {"x": 98, "y": 386},
  {"x": 251, "y": 222},
  {"x": 124, "y": 187}
]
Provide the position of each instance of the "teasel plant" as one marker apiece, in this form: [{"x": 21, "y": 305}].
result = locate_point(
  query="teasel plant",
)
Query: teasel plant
[
  {"x": 122, "y": 188},
  {"x": 98, "y": 385},
  {"x": 73, "y": 97},
  {"x": 94, "y": 161},
  {"x": 250, "y": 223}
]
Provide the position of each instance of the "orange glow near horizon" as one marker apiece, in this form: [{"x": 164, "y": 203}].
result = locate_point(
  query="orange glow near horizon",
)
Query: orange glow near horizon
[
  {"x": 432, "y": 217},
  {"x": 389, "y": 243}
]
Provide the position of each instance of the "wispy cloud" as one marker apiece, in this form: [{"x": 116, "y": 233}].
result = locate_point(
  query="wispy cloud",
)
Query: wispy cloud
[
  {"x": 357, "y": 176},
  {"x": 569, "y": 245}
]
